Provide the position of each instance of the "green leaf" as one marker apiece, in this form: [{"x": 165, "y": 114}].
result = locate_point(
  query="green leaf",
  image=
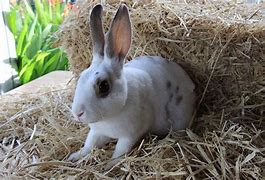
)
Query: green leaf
[
  {"x": 11, "y": 20},
  {"x": 41, "y": 13},
  {"x": 29, "y": 10},
  {"x": 63, "y": 63},
  {"x": 19, "y": 24},
  {"x": 51, "y": 64},
  {"x": 40, "y": 62},
  {"x": 41, "y": 55},
  {"x": 33, "y": 68},
  {"x": 57, "y": 14},
  {"x": 26, "y": 72},
  {"x": 32, "y": 29},
  {"x": 34, "y": 47},
  {"x": 23, "y": 61},
  {"x": 46, "y": 31},
  {"x": 21, "y": 39},
  {"x": 39, "y": 67},
  {"x": 47, "y": 9},
  {"x": 50, "y": 12}
]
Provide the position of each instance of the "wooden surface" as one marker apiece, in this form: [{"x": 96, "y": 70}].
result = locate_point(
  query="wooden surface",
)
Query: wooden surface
[{"x": 53, "y": 81}]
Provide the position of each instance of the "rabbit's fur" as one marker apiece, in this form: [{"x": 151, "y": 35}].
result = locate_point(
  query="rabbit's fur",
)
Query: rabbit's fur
[{"x": 124, "y": 102}]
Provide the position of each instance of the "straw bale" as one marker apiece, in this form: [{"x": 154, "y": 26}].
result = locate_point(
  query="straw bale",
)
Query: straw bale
[{"x": 220, "y": 43}]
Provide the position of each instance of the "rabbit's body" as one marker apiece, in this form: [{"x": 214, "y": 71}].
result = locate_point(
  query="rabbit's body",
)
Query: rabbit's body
[
  {"x": 158, "y": 104},
  {"x": 124, "y": 102},
  {"x": 171, "y": 95}
]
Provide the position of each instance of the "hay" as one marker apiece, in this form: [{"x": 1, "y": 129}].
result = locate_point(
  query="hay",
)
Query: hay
[
  {"x": 37, "y": 136},
  {"x": 220, "y": 43}
]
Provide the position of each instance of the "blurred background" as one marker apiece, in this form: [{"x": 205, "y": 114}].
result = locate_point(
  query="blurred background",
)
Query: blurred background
[{"x": 27, "y": 49}]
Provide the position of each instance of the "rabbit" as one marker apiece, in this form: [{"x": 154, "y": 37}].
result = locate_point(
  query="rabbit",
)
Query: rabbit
[{"x": 120, "y": 101}]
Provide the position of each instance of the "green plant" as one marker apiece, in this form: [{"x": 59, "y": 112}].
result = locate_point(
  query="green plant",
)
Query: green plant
[{"x": 32, "y": 31}]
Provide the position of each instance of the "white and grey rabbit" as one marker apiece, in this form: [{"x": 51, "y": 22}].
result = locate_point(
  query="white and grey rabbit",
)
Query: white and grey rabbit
[{"x": 125, "y": 101}]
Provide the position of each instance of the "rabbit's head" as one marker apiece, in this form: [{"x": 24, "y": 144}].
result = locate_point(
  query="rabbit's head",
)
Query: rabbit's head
[{"x": 101, "y": 90}]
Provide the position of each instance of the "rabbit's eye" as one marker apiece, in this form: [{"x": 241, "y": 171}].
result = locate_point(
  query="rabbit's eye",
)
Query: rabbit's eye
[{"x": 103, "y": 88}]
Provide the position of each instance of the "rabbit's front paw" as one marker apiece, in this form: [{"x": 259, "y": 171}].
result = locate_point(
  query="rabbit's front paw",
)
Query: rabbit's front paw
[
  {"x": 111, "y": 164},
  {"x": 75, "y": 156}
]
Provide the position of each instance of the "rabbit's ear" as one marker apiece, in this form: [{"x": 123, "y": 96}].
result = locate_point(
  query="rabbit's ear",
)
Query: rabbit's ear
[
  {"x": 118, "y": 38},
  {"x": 96, "y": 30}
]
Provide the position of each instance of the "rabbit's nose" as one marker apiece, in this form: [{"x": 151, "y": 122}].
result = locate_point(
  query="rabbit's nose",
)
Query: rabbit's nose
[
  {"x": 80, "y": 114},
  {"x": 77, "y": 116}
]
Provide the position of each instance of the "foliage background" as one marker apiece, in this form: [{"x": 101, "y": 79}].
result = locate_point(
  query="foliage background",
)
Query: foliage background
[{"x": 32, "y": 26}]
